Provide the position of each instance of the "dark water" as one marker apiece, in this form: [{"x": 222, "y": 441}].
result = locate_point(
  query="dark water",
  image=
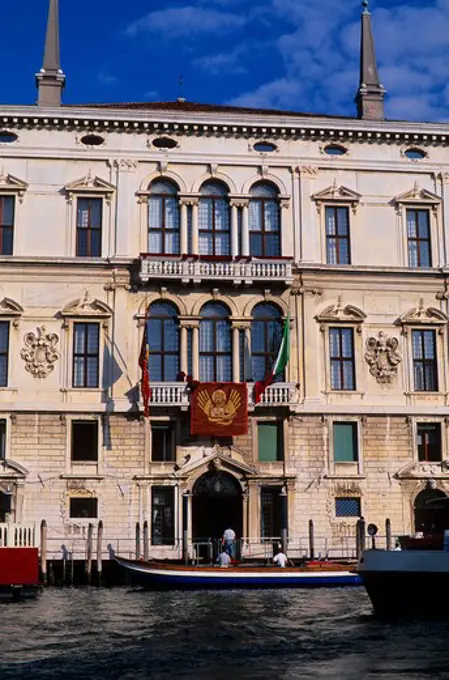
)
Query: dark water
[{"x": 124, "y": 634}]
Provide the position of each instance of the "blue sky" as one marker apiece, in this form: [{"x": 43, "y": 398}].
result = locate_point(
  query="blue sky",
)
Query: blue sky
[{"x": 298, "y": 55}]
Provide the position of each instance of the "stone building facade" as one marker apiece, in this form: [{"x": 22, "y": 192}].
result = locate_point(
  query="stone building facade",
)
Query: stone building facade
[{"x": 220, "y": 224}]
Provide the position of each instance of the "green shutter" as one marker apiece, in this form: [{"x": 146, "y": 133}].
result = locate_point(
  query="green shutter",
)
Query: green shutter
[
  {"x": 345, "y": 443},
  {"x": 269, "y": 436}
]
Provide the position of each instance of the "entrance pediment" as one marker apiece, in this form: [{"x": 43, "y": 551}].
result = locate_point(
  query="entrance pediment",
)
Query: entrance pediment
[
  {"x": 218, "y": 458},
  {"x": 424, "y": 470}
]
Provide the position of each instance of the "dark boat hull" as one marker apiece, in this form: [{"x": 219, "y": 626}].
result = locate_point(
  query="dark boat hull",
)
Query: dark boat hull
[{"x": 173, "y": 577}]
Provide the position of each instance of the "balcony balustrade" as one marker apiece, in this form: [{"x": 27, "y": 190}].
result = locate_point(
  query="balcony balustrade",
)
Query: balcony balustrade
[
  {"x": 195, "y": 271},
  {"x": 177, "y": 394}
]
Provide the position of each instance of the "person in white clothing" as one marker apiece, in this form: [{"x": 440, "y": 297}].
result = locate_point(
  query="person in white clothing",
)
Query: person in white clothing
[
  {"x": 229, "y": 541},
  {"x": 223, "y": 559},
  {"x": 280, "y": 559}
]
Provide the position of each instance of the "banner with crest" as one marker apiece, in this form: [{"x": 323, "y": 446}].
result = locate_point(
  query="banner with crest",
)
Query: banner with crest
[{"x": 219, "y": 409}]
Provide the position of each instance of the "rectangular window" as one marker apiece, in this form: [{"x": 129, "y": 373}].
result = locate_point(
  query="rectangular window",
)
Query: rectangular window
[
  {"x": 7, "y": 210},
  {"x": 337, "y": 235},
  {"x": 4, "y": 353},
  {"x": 3, "y": 439},
  {"x": 346, "y": 443},
  {"x": 270, "y": 441},
  {"x": 89, "y": 217},
  {"x": 162, "y": 517},
  {"x": 341, "y": 343},
  {"x": 425, "y": 361},
  {"x": 86, "y": 354},
  {"x": 84, "y": 508},
  {"x": 429, "y": 442},
  {"x": 418, "y": 237},
  {"x": 162, "y": 448},
  {"x": 271, "y": 511},
  {"x": 347, "y": 507},
  {"x": 84, "y": 441}
]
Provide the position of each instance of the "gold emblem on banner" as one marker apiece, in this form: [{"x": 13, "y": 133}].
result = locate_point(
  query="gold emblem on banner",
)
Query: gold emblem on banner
[{"x": 217, "y": 408}]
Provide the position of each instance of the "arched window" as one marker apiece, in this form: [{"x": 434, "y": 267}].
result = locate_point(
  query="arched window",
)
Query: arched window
[
  {"x": 215, "y": 343},
  {"x": 163, "y": 342},
  {"x": 213, "y": 220},
  {"x": 163, "y": 218},
  {"x": 264, "y": 221},
  {"x": 266, "y": 336}
]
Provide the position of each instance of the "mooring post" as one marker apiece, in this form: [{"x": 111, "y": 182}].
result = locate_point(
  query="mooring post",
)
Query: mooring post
[
  {"x": 99, "y": 551},
  {"x": 90, "y": 531},
  {"x": 137, "y": 540},
  {"x": 362, "y": 533},
  {"x": 185, "y": 527},
  {"x": 146, "y": 549},
  {"x": 311, "y": 540},
  {"x": 43, "y": 539},
  {"x": 388, "y": 533},
  {"x": 358, "y": 550},
  {"x": 284, "y": 526}
]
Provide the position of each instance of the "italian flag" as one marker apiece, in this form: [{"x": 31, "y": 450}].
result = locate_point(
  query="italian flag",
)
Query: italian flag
[{"x": 279, "y": 365}]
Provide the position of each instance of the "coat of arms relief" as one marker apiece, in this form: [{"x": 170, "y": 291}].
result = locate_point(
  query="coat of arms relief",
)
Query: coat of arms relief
[
  {"x": 40, "y": 352},
  {"x": 383, "y": 357}
]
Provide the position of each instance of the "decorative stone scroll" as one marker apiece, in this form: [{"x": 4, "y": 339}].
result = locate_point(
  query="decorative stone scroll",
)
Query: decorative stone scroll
[
  {"x": 382, "y": 356},
  {"x": 40, "y": 352}
]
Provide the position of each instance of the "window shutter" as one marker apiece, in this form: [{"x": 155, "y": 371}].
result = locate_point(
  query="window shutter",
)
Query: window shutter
[
  {"x": 345, "y": 443},
  {"x": 269, "y": 442}
]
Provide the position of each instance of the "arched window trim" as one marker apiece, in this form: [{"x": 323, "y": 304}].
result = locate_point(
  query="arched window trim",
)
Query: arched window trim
[
  {"x": 263, "y": 234},
  {"x": 220, "y": 204},
  {"x": 161, "y": 351},
  {"x": 216, "y": 356},
  {"x": 164, "y": 230}
]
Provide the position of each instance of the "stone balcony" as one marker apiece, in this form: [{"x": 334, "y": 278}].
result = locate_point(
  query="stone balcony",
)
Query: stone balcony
[
  {"x": 235, "y": 271},
  {"x": 176, "y": 394}
]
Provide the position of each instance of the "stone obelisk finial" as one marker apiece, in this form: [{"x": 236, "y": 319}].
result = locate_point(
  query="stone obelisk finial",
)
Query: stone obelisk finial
[
  {"x": 371, "y": 93},
  {"x": 51, "y": 80}
]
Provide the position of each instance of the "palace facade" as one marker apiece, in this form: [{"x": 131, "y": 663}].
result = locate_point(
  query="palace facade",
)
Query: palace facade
[{"x": 217, "y": 223}]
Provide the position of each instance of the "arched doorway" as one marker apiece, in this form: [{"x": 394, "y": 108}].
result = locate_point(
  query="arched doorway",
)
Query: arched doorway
[
  {"x": 431, "y": 511},
  {"x": 216, "y": 506}
]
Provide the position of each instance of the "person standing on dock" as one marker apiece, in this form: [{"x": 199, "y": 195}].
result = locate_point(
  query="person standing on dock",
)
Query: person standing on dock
[
  {"x": 229, "y": 542},
  {"x": 280, "y": 559}
]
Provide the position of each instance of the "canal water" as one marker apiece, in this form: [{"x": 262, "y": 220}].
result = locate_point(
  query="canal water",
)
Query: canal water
[{"x": 132, "y": 635}]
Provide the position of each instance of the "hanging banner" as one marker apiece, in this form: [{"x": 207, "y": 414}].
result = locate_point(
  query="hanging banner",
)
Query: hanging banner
[{"x": 219, "y": 409}]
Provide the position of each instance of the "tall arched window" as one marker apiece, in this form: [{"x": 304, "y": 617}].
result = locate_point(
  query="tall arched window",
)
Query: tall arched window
[
  {"x": 213, "y": 220},
  {"x": 266, "y": 336},
  {"x": 215, "y": 343},
  {"x": 264, "y": 221},
  {"x": 163, "y": 218},
  {"x": 163, "y": 342}
]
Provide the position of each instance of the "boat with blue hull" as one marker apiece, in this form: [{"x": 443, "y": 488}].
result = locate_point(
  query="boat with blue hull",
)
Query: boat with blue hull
[{"x": 170, "y": 576}]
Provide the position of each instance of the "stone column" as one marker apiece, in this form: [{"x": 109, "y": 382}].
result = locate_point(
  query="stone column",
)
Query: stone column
[
  {"x": 184, "y": 228},
  {"x": 183, "y": 364},
  {"x": 296, "y": 215},
  {"x": 445, "y": 217},
  {"x": 195, "y": 351},
  {"x": 245, "y": 229},
  {"x": 235, "y": 353},
  {"x": 234, "y": 229},
  {"x": 195, "y": 236},
  {"x": 310, "y": 222}
]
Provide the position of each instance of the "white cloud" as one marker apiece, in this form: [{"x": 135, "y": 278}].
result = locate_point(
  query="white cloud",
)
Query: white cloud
[
  {"x": 186, "y": 21},
  {"x": 224, "y": 62}
]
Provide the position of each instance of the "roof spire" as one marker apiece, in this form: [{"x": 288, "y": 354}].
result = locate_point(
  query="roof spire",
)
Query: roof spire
[
  {"x": 371, "y": 93},
  {"x": 51, "y": 80}
]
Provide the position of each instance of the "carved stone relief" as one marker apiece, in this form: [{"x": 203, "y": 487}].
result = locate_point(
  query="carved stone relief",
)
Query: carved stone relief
[
  {"x": 382, "y": 356},
  {"x": 40, "y": 352}
]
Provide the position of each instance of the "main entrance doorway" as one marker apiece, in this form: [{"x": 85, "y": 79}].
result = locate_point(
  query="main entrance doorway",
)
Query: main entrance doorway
[
  {"x": 216, "y": 506},
  {"x": 431, "y": 511}
]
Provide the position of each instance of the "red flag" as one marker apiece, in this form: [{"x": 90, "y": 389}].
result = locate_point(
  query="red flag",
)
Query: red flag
[{"x": 145, "y": 380}]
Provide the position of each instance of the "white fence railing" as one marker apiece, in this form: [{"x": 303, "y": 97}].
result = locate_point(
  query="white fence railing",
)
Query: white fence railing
[
  {"x": 237, "y": 272},
  {"x": 18, "y": 536},
  {"x": 176, "y": 394}
]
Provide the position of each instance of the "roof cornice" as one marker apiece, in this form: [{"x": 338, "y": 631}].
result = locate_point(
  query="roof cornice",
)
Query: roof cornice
[{"x": 223, "y": 124}]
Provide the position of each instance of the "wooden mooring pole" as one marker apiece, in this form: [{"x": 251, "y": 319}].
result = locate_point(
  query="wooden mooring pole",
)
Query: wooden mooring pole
[
  {"x": 43, "y": 541},
  {"x": 146, "y": 551},
  {"x": 311, "y": 540},
  {"x": 360, "y": 536},
  {"x": 137, "y": 540},
  {"x": 388, "y": 534},
  {"x": 90, "y": 531},
  {"x": 99, "y": 552}
]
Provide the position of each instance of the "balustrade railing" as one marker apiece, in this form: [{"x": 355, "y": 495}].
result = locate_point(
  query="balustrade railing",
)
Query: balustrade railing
[
  {"x": 196, "y": 270},
  {"x": 176, "y": 394},
  {"x": 17, "y": 535}
]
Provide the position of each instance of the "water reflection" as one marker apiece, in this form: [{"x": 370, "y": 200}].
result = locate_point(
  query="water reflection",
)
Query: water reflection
[{"x": 118, "y": 633}]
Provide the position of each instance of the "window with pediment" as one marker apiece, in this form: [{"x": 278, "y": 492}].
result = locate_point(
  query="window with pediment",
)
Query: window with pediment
[
  {"x": 338, "y": 246},
  {"x": 163, "y": 218},
  {"x": 86, "y": 354},
  {"x": 89, "y": 224},
  {"x": 163, "y": 342},
  {"x": 215, "y": 343},
  {"x": 214, "y": 224},
  {"x": 419, "y": 212},
  {"x": 264, "y": 220}
]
